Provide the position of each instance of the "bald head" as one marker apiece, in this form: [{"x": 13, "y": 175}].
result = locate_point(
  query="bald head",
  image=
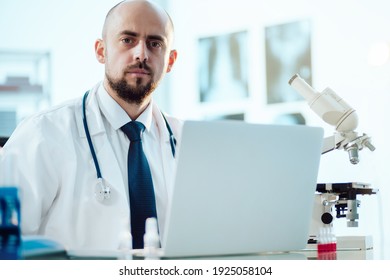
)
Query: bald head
[
  {"x": 136, "y": 50},
  {"x": 136, "y": 7}
]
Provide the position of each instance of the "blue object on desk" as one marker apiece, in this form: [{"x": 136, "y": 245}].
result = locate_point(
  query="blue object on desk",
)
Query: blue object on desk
[
  {"x": 10, "y": 238},
  {"x": 41, "y": 248},
  {"x": 12, "y": 245}
]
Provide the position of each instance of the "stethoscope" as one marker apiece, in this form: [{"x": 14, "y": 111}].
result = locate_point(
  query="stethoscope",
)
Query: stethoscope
[{"x": 103, "y": 188}]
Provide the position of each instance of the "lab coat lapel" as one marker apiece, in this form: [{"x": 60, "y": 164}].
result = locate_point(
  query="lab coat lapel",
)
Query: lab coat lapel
[
  {"x": 169, "y": 163},
  {"x": 105, "y": 155}
]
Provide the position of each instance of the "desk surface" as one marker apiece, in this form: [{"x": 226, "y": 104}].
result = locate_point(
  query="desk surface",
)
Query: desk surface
[
  {"x": 40, "y": 248},
  {"x": 296, "y": 255}
]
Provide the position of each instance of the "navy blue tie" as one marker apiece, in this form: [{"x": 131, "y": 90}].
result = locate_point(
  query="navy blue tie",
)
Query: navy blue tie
[{"x": 141, "y": 193}]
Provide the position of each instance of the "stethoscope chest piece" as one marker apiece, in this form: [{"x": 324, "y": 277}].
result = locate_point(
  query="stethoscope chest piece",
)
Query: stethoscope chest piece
[{"x": 102, "y": 190}]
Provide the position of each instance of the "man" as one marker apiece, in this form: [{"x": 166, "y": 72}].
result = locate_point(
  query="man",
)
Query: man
[{"x": 55, "y": 166}]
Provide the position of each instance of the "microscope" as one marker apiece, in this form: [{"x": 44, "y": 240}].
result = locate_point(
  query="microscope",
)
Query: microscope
[{"x": 336, "y": 199}]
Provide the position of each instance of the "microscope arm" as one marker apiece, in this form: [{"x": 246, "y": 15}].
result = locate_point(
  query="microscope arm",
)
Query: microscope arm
[
  {"x": 331, "y": 143},
  {"x": 350, "y": 142},
  {"x": 332, "y": 109}
]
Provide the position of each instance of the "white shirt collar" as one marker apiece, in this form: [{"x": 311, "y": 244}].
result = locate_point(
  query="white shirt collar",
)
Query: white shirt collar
[{"x": 118, "y": 117}]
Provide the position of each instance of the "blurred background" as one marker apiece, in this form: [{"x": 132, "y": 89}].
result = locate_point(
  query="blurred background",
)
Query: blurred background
[{"x": 234, "y": 62}]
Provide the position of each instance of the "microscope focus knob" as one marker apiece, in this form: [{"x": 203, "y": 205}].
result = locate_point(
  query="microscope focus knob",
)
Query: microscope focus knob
[{"x": 327, "y": 218}]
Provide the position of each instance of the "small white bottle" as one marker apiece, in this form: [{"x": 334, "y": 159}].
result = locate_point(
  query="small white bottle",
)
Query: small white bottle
[
  {"x": 125, "y": 241},
  {"x": 125, "y": 245},
  {"x": 151, "y": 240}
]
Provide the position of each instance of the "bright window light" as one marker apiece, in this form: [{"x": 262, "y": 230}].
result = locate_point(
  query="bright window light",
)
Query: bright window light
[{"x": 379, "y": 54}]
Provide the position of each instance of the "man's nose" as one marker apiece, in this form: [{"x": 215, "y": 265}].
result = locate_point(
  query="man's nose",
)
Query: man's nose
[{"x": 141, "y": 51}]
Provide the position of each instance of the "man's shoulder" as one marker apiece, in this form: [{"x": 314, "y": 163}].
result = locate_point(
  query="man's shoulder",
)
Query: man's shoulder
[
  {"x": 174, "y": 121},
  {"x": 66, "y": 108},
  {"x": 51, "y": 122}
]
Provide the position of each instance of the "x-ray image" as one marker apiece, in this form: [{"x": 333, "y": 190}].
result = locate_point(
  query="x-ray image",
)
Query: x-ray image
[
  {"x": 288, "y": 51},
  {"x": 223, "y": 67}
]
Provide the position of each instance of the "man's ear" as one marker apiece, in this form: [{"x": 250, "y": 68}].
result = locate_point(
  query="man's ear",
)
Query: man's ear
[
  {"x": 172, "y": 59},
  {"x": 100, "y": 50}
]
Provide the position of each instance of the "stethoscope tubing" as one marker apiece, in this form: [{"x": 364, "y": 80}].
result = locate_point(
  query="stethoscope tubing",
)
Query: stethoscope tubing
[
  {"x": 172, "y": 139},
  {"x": 88, "y": 135}
]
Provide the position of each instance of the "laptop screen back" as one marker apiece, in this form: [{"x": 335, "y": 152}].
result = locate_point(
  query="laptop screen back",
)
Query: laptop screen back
[{"x": 242, "y": 188}]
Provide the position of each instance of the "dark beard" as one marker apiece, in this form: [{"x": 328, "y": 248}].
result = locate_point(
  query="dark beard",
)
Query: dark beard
[{"x": 131, "y": 94}]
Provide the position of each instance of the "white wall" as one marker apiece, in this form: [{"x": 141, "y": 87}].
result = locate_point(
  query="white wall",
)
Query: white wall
[{"x": 343, "y": 32}]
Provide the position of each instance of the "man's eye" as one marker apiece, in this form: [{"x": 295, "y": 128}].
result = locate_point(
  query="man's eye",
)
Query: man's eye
[
  {"x": 155, "y": 44},
  {"x": 127, "y": 40}
]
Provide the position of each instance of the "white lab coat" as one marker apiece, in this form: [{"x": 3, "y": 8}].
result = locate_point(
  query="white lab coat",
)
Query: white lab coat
[{"x": 57, "y": 176}]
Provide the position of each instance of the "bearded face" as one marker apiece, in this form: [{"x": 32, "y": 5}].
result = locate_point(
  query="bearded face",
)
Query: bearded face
[
  {"x": 135, "y": 49},
  {"x": 136, "y": 90}
]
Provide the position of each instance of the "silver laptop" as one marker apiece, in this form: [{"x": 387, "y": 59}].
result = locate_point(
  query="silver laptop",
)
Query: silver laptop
[{"x": 242, "y": 188}]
